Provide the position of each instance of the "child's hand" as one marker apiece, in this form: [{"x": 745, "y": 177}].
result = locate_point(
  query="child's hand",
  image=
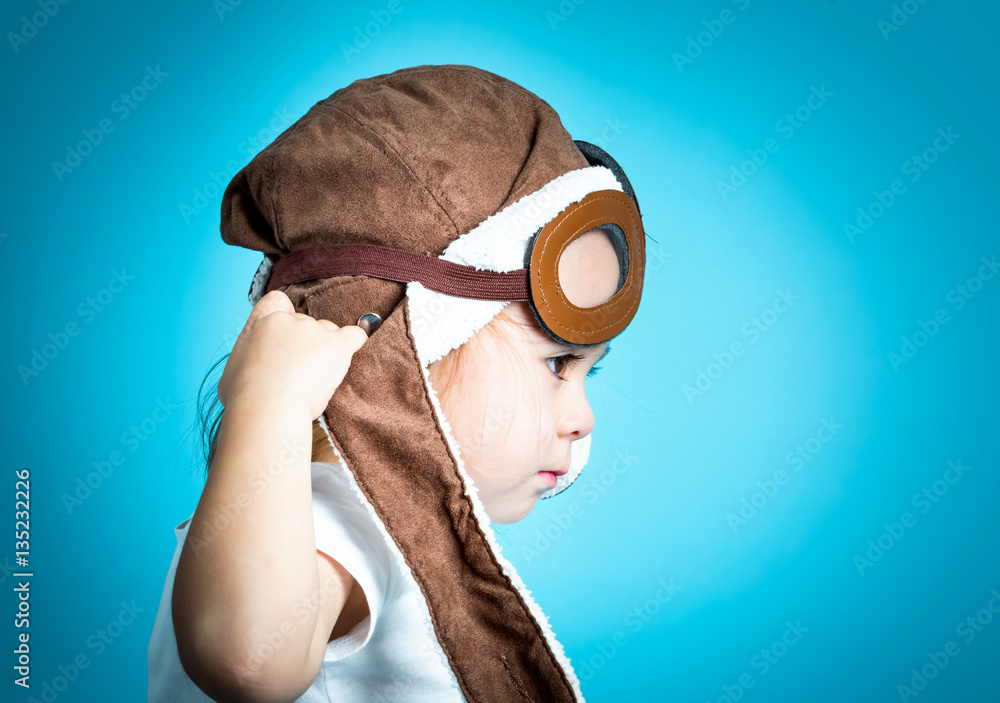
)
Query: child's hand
[{"x": 285, "y": 356}]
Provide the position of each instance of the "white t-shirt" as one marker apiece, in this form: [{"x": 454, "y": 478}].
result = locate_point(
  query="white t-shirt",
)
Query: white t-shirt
[{"x": 391, "y": 655}]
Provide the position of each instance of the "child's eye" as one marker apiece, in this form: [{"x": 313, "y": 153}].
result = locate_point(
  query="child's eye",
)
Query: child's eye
[{"x": 560, "y": 365}]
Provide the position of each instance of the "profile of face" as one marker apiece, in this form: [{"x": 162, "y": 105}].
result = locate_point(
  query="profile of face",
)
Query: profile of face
[
  {"x": 516, "y": 401},
  {"x": 514, "y": 397}
]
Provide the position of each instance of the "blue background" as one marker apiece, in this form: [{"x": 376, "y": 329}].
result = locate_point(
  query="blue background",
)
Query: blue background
[{"x": 670, "y": 466}]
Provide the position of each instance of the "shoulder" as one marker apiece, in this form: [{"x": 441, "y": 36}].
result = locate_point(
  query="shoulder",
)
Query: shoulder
[
  {"x": 348, "y": 532},
  {"x": 338, "y": 503},
  {"x": 337, "y": 498}
]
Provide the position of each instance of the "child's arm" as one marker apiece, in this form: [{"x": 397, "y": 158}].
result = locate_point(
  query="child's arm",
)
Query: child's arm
[{"x": 248, "y": 577}]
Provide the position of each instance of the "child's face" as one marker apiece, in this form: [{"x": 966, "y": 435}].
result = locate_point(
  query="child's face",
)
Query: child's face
[{"x": 515, "y": 408}]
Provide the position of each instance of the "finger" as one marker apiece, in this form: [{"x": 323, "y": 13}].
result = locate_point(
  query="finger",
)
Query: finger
[
  {"x": 275, "y": 301},
  {"x": 354, "y": 337}
]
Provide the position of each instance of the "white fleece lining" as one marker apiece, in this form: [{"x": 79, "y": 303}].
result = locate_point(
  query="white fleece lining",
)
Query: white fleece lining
[
  {"x": 497, "y": 243},
  {"x": 260, "y": 279},
  {"x": 579, "y": 452}
]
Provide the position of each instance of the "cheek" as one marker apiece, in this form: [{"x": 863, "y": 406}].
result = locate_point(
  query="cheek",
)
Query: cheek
[
  {"x": 507, "y": 400},
  {"x": 529, "y": 429},
  {"x": 482, "y": 417}
]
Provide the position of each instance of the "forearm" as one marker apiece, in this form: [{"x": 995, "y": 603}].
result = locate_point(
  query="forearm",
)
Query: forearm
[{"x": 247, "y": 583}]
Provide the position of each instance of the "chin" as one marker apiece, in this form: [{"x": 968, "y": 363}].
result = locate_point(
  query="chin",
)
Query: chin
[{"x": 510, "y": 515}]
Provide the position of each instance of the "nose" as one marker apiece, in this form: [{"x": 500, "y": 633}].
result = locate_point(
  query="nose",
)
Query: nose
[{"x": 578, "y": 419}]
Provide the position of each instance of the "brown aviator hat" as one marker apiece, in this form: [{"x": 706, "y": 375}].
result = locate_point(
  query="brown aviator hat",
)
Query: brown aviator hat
[{"x": 433, "y": 196}]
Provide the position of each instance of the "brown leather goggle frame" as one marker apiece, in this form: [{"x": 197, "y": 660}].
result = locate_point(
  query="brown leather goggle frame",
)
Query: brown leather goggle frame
[{"x": 538, "y": 284}]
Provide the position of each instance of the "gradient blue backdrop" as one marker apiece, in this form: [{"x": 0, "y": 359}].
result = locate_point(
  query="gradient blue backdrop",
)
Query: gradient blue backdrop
[{"x": 678, "y": 95}]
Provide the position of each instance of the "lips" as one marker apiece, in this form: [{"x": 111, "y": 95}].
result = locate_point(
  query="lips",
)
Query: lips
[
  {"x": 550, "y": 479},
  {"x": 552, "y": 476}
]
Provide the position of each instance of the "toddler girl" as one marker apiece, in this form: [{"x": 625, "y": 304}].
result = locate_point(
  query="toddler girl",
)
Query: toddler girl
[{"x": 432, "y": 230}]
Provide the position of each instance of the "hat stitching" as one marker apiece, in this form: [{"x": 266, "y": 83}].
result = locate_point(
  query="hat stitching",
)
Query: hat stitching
[
  {"x": 269, "y": 169},
  {"x": 630, "y": 283},
  {"x": 390, "y": 150}
]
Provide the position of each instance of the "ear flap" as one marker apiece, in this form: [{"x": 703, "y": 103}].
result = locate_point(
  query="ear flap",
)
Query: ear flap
[{"x": 386, "y": 424}]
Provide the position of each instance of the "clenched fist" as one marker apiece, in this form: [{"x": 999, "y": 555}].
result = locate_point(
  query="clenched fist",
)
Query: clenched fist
[{"x": 285, "y": 355}]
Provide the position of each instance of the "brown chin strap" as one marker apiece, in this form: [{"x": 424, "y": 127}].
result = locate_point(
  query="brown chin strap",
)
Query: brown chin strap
[
  {"x": 495, "y": 646},
  {"x": 398, "y": 265}
]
